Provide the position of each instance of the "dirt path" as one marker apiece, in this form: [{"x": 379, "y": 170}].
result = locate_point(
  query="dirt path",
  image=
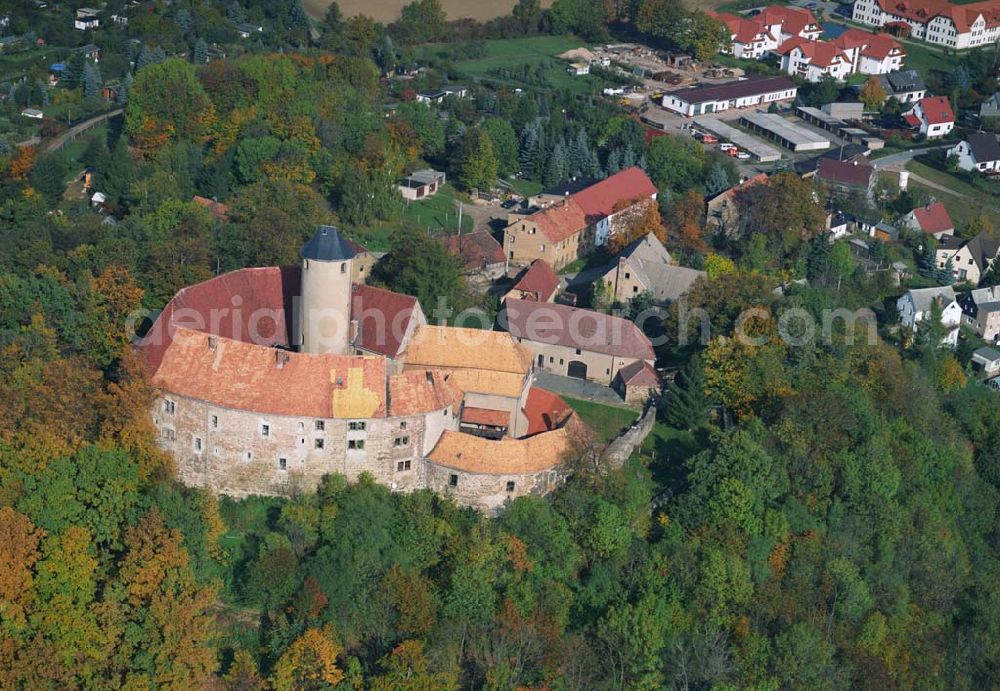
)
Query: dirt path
[{"x": 81, "y": 127}]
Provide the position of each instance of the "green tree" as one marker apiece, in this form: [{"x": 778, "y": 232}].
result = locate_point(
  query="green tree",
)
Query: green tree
[
  {"x": 48, "y": 176},
  {"x": 166, "y": 101},
  {"x": 504, "y": 144},
  {"x": 527, "y": 12},
  {"x": 422, "y": 21},
  {"x": 418, "y": 265},
  {"x": 675, "y": 163},
  {"x": 685, "y": 405},
  {"x": 478, "y": 164}
]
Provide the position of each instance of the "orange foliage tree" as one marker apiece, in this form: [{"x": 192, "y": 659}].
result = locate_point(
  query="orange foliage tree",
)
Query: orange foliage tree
[{"x": 684, "y": 222}]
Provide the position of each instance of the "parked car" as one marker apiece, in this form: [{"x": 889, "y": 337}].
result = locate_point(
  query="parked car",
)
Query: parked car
[
  {"x": 709, "y": 139},
  {"x": 726, "y": 146},
  {"x": 742, "y": 155},
  {"x": 732, "y": 152},
  {"x": 509, "y": 204}
]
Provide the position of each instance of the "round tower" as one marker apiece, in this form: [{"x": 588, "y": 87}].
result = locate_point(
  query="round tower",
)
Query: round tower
[{"x": 324, "y": 321}]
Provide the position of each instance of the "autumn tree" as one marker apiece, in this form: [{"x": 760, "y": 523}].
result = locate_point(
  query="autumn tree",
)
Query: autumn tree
[
  {"x": 872, "y": 93},
  {"x": 309, "y": 663},
  {"x": 634, "y": 219},
  {"x": 684, "y": 226},
  {"x": 166, "y": 102}
]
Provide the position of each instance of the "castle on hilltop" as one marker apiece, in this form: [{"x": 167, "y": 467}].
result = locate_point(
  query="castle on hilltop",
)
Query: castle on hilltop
[{"x": 270, "y": 378}]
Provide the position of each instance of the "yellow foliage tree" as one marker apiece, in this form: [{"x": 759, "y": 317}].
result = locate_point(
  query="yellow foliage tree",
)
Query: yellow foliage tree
[{"x": 308, "y": 663}]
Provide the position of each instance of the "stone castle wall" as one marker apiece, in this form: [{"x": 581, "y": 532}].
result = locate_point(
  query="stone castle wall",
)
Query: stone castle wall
[{"x": 239, "y": 452}]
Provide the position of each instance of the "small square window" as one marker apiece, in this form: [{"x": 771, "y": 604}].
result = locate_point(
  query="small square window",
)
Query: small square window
[
  {"x": 402, "y": 425},
  {"x": 453, "y": 480},
  {"x": 356, "y": 444},
  {"x": 249, "y": 455},
  {"x": 197, "y": 444},
  {"x": 169, "y": 406},
  {"x": 357, "y": 426},
  {"x": 560, "y": 361},
  {"x": 577, "y": 351},
  {"x": 265, "y": 430},
  {"x": 282, "y": 464},
  {"x": 318, "y": 443},
  {"x": 510, "y": 485},
  {"x": 169, "y": 434},
  {"x": 320, "y": 425},
  {"x": 215, "y": 422},
  {"x": 402, "y": 465},
  {"x": 551, "y": 359}
]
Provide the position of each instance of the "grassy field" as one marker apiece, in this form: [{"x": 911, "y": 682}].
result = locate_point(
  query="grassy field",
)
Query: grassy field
[
  {"x": 512, "y": 54},
  {"x": 388, "y": 10},
  {"x": 964, "y": 203},
  {"x": 438, "y": 214},
  {"x": 607, "y": 421}
]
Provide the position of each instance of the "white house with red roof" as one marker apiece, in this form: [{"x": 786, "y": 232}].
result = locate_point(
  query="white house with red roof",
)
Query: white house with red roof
[
  {"x": 935, "y": 21},
  {"x": 755, "y": 37},
  {"x": 852, "y": 52},
  {"x": 932, "y": 219},
  {"x": 932, "y": 115}
]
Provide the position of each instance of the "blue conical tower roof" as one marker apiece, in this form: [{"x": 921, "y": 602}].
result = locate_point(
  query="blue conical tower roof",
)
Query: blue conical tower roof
[{"x": 327, "y": 245}]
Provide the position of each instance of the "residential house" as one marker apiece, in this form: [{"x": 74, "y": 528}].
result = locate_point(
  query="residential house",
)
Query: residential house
[
  {"x": 755, "y": 37},
  {"x": 936, "y": 21},
  {"x": 570, "y": 228},
  {"x": 814, "y": 60},
  {"x": 716, "y": 98},
  {"x": 439, "y": 95},
  {"x": 478, "y": 252},
  {"x": 871, "y": 53},
  {"x": 916, "y": 305},
  {"x": 420, "y": 184},
  {"x": 932, "y": 219},
  {"x": 645, "y": 266},
  {"x": 990, "y": 107},
  {"x": 246, "y": 30},
  {"x": 722, "y": 213},
  {"x": 90, "y": 52},
  {"x": 856, "y": 175},
  {"x": 839, "y": 226},
  {"x": 575, "y": 342},
  {"x": 986, "y": 360},
  {"x": 32, "y": 113},
  {"x": 537, "y": 283},
  {"x": 979, "y": 151},
  {"x": 932, "y": 115},
  {"x": 969, "y": 259},
  {"x": 907, "y": 86},
  {"x": 637, "y": 382},
  {"x": 981, "y": 311},
  {"x": 578, "y": 69},
  {"x": 86, "y": 19},
  {"x": 545, "y": 411}
]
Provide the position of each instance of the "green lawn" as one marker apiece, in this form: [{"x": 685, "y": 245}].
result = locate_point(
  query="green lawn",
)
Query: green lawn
[
  {"x": 960, "y": 208},
  {"x": 512, "y": 54},
  {"x": 608, "y": 421},
  {"x": 919, "y": 55},
  {"x": 438, "y": 214},
  {"x": 525, "y": 188}
]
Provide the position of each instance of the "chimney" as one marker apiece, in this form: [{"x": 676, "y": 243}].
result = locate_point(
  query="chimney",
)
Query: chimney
[
  {"x": 280, "y": 358},
  {"x": 213, "y": 342}
]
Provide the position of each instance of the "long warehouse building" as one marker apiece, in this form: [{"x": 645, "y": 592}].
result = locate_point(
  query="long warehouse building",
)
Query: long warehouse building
[
  {"x": 715, "y": 98},
  {"x": 764, "y": 153},
  {"x": 785, "y": 132}
]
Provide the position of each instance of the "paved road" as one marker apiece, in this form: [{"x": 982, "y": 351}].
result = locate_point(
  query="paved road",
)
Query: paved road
[{"x": 904, "y": 157}]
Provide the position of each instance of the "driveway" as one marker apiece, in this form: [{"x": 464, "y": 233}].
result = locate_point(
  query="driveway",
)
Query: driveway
[
  {"x": 579, "y": 388},
  {"x": 900, "y": 160}
]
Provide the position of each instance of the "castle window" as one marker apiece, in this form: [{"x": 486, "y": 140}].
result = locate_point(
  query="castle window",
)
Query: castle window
[
  {"x": 215, "y": 422},
  {"x": 402, "y": 441},
  {"x": 356, "y": 444},
  {"x": 169, "y": 434},
  {"x": 301, "y": 428},
  {"x": 197, "y": 444},
  {"x": 265, "y": 430},
  {"x": 453, "y": 480},
  {"x": 402, "y": 425},
  {"x": 319, "y": 443},
  {"x": 357, "y": 425},
  {"x": 343, "y": 267},
  {"x": 510, "y": 485},
  {"x": 402, "y": 465},
  {"x": 577, "y": 351},
  {"x": 249, "y": 456},
  {"x": 282, "y": 464},
  {"x": 320, "y": 426},
  {"x": 168, "y": 406}
]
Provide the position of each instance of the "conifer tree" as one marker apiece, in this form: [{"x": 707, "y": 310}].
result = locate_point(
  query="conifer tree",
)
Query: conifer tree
[{"x": 685, "y": 405}]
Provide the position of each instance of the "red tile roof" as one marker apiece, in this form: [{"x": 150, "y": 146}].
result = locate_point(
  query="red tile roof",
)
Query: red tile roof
[
  {"x": 820, "y": 53},
  {"x": 792, "y": 20},
  {"x": 911, "y": 120},
  {"x": 923, "y": 11},
  {"x": 561, "y": 220},
  {"x": 545, "y": 410},
  {"x": 876, "y": 46},
  {"x": 933, "y": 218},
  {"x": 243, "y": 376},
  {"x": 574, "y": 327},
  {"x": 538, "y": 280},
  {"x": 599, "y": 200},
  {"x": 853, "y": 173},
  {"x": 383, "y": 318},
  {"x": 937, "y": 110},
  {"x": 639, "y": 373},
  {"x": 477, "y": 250},
  {"x": 485, "y": 416},
  {"x": 415, "y": 392}
]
